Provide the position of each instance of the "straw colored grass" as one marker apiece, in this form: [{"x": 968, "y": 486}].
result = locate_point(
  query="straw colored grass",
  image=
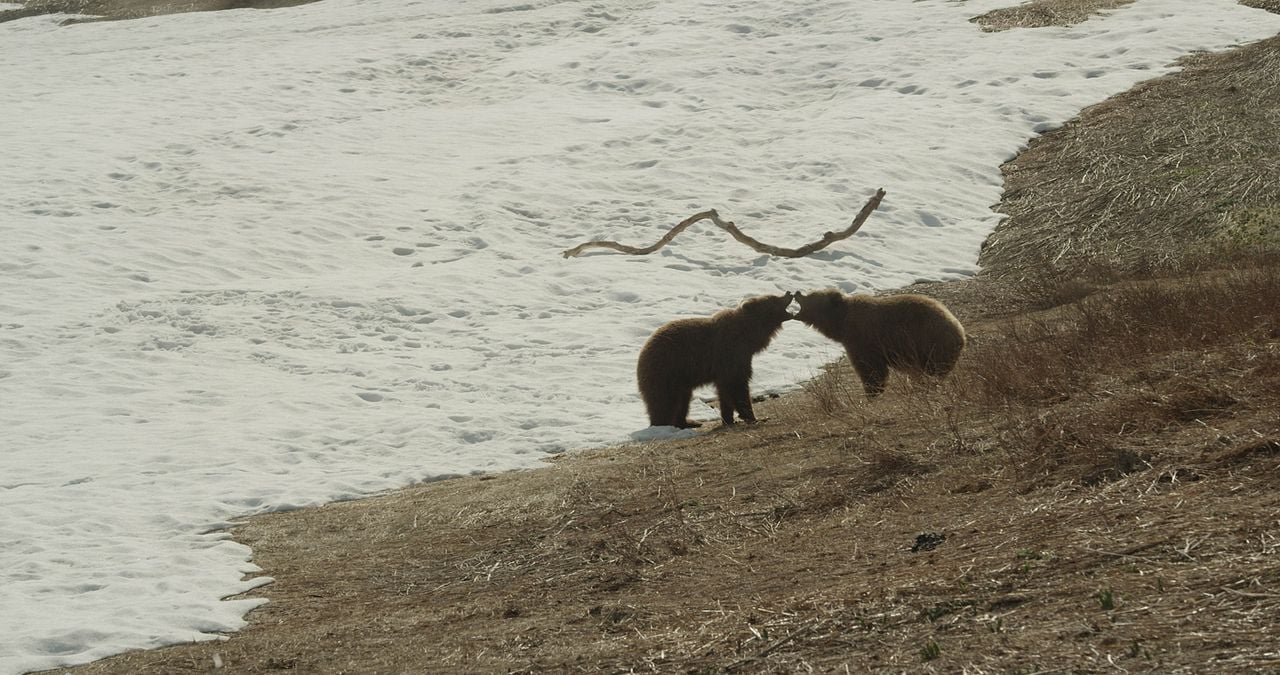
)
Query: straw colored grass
[
  {"x": 1042, "y": 13},
  {"x": 113, "y": 10},
  {"x": 1175, "y": 168},
  {"x": 1269, "y": 5}
]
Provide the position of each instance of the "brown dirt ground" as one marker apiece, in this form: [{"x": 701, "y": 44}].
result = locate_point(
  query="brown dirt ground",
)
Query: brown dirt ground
[{"x": 1102, "y": 465}]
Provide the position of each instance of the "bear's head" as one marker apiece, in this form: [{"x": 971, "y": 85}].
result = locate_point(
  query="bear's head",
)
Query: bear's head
[
  {"x": 819, "y": 307},
  {"x": 769, "y": 309}
]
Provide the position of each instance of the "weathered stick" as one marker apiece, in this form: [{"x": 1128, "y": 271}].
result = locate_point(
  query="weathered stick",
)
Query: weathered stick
[{"x": 728, "y": 226}]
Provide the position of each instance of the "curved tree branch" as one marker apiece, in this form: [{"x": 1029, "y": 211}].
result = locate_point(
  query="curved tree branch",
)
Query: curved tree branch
[{"x": 827, "y": 238}]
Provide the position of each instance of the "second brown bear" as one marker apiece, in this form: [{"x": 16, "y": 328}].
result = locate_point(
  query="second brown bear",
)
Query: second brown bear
[
  {"x": 687, "y": 353},
  {"x": 905, "y": 332}
]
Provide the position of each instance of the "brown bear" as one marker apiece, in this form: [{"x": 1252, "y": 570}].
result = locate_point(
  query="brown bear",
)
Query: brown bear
[
  {"x": 906, "y": 332},
  {"x": 687, "y": 353}
]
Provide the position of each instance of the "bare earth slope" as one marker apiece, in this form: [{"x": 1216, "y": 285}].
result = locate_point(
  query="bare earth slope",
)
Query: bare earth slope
[{"x": 1100, "y": 469}]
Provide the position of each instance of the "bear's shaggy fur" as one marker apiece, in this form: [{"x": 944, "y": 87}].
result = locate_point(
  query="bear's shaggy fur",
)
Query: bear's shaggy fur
[
  {"x": 688, "y": 353},
  {"x": 906, "y": 332}
]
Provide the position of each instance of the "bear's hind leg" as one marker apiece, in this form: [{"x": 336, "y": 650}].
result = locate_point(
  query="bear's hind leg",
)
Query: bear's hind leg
[
  {"x": 660, "y": 414},
  {"x": 941, "y": 362},
  {"x": 667, "y": 410},
  {"x": 681, "y": 417}
]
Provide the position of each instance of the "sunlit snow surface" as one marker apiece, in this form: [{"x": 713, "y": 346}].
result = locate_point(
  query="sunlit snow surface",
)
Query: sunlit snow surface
[{"x": 255, "y": 260}]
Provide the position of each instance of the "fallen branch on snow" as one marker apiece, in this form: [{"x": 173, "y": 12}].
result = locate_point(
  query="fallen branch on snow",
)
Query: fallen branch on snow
[{"x": 728, "y": 226}]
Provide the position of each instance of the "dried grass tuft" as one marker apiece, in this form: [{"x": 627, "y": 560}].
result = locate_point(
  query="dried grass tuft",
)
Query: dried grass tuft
[{"x": 1042, "y": 13}]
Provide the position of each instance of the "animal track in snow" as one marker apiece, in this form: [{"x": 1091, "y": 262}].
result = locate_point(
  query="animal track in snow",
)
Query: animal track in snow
[
  {"x": 512, "y": 8},
  {"x": 291, "y": 320}
]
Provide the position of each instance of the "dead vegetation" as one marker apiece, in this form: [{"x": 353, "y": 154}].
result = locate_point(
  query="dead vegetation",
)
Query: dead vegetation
[
  {"x": 1100, "y": 478},
  {"x": 1163, "y": 173},
  {"x": 114, "y": 10},
  {"x": 1099, "y": 470},
  {"x": 1042, "y": 13},
  {"x": 1269, "y": 5}
]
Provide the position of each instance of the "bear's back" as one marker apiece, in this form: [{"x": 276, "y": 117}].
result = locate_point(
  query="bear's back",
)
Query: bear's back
[
  {"x": 914, "y": 330},
  {"x": 899, "y": 319},
  {"x": 680, "y": 349},
  {"x": 918, "y": 311}
]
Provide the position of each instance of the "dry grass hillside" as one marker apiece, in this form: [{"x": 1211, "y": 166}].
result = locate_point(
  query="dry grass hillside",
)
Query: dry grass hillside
[{"x": 1093, "y": 489}]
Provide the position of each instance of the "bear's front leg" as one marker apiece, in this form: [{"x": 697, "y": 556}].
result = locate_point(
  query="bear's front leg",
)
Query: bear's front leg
[
  {"x": 727, "y": 407},
  {"x": 735, "y": 396}
]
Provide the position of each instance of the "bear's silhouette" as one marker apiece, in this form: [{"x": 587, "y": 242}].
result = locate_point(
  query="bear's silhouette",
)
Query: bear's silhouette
[
  {"x": 905, "y": 332},
  {"x": 688, "y": 353}
]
